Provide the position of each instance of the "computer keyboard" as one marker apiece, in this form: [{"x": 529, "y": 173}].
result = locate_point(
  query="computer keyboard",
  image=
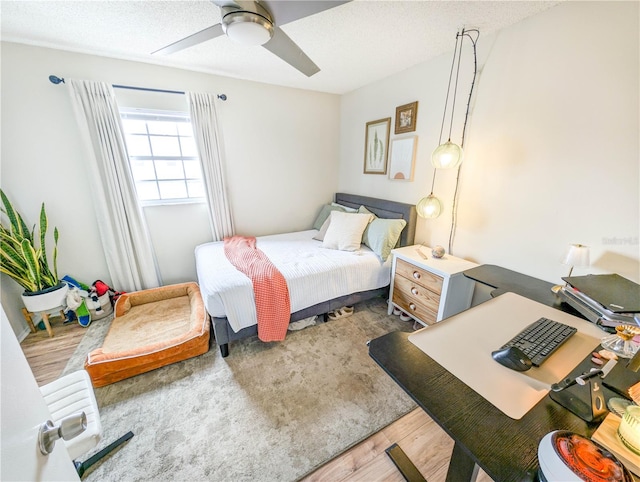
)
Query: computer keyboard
[{"x": 541, "y": 338}]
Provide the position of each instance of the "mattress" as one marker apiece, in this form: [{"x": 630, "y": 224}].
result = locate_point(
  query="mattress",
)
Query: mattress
[{"x": 314, "y": 275}]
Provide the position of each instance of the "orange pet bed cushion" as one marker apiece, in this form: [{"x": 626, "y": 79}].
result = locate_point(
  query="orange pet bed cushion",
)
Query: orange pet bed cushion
[{"x": 151, "y": 328}]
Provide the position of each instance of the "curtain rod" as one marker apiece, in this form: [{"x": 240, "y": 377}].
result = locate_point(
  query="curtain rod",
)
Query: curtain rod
[{"x": 57, "y": 80}]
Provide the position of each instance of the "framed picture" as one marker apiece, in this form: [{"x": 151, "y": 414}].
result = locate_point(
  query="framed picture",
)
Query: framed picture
[
  {"x": 376, "y": 146},
  {"x": 402, "y": 159},
  {"x": 406, "y": 117}
]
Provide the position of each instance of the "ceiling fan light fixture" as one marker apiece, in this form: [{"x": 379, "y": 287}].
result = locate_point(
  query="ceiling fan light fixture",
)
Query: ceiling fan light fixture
[{"x": 247, "y": 28}]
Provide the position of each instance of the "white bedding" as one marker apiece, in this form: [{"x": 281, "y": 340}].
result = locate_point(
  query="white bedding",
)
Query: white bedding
[{"x": 314, "y": 275}]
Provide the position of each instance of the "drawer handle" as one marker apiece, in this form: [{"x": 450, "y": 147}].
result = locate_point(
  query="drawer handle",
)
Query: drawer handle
[
  {"x": 416, "y": 275},
  {"x": 412, "y": 306},
  {"x": 414, "y": 290}
]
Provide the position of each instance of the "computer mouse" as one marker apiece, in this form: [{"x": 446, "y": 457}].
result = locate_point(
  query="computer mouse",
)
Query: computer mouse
[{"x": 512, "y": 357}]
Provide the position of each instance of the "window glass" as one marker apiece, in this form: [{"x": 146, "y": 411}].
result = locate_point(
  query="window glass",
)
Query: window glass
[
  {"x": 169, "y": 170},
  {"x": 143, "y": 170},
  {"x": 138, "y": 145},
  {"x": 147, "y": 191},
  {"x": 165, "y": 146},
  {"x": 188, "y": 147},
  {"x": 134, "y": 126},
  {"x": 162, "y": 127},
  {"x": 196, "y": 188},
  {"x": 172, "y": 189},
  {"x": 185, "y": 129},
  {"x": 163, "y": 155},
  {"x": 192, "y": 169}
]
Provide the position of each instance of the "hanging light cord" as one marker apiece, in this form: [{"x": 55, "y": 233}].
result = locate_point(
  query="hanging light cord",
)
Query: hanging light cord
[
  {"x": 454, "y": 209},
  {"x": 446, "y": 101},
  {"x": 455, "y": 88}
]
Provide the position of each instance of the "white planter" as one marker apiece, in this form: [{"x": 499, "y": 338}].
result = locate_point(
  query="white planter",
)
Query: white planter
[{"x": 45, "y": 300}]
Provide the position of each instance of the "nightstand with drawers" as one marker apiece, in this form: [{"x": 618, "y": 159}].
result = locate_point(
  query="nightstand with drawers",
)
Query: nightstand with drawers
[{"x": 426, "y": 288}]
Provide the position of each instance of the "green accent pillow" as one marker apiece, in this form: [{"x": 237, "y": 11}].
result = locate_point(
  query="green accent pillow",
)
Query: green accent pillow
[
  {"x": 324, "y": 214},
  {"x": 382, "y": 235},
  {"x": 347, "y": 209}
]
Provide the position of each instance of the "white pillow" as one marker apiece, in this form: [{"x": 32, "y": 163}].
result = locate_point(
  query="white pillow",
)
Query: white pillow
[{"x": 345, "y": 231}]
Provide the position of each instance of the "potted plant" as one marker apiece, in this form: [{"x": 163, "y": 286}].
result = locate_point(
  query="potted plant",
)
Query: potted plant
[{"x": 23, "y": 257}]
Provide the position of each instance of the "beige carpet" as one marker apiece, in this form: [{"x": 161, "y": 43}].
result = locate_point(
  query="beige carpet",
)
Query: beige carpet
[{"x": 268, "y": 412}]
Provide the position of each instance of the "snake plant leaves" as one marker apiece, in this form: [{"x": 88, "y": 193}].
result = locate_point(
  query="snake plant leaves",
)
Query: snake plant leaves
[
  {"x": 20, "y": 258},
  {"x": 31, "y": 258}
]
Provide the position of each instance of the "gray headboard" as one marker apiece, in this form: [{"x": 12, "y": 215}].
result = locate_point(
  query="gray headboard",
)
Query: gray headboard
[{"x": 385, "y": 209}]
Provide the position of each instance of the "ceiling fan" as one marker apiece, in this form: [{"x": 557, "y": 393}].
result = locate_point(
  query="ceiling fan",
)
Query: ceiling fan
[{"x": 257, "y": 23}]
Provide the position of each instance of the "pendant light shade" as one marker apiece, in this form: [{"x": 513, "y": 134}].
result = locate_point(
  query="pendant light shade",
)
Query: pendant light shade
[
  {"x": 429, "y": 207},
  {"x": 447, "y": 156}
]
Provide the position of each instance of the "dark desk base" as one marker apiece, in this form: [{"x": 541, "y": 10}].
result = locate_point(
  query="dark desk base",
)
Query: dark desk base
[{"x": 408, "y": 470}]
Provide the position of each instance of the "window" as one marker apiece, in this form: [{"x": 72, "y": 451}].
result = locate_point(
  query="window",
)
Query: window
[{"x": 163, "y": 156}]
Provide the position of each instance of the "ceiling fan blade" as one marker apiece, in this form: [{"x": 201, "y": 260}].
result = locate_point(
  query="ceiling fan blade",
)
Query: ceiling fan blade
[
  {"x": 285, "y": 48},
  {"x": 194, "y": 39},
  {"x": 285, "y": 11}
]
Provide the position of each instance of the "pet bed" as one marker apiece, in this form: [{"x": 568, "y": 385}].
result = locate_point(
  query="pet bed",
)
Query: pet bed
[
  {"x": 319, "y": 280},
  {"x": 151, "y": 328}
]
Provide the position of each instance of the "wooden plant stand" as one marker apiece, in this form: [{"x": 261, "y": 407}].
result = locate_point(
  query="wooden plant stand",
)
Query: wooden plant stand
[{"x": 45, "y": 318}]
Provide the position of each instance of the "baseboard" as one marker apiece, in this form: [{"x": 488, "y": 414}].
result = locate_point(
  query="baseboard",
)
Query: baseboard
[{"x": 23, "y": 334}]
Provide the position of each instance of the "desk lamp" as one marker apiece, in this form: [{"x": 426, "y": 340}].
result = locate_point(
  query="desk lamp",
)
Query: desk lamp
[{"x": 576, "y": 255}]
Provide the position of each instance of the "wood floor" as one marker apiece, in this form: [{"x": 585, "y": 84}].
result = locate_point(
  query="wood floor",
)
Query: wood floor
[
  {"x": 424, "y": 442},
  {"x": 48, "y": 357}
]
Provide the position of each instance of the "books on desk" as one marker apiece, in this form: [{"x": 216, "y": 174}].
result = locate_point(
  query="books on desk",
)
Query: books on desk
[{"x": 606, "y": 300}]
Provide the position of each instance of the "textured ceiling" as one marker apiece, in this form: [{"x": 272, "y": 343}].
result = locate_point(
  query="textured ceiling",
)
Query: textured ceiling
[{"x": 353, "y": 44}]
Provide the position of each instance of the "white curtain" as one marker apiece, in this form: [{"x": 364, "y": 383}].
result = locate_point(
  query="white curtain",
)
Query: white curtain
[
  {"x": 123, "y": 229},
  {"x": 205, "y": 129}
]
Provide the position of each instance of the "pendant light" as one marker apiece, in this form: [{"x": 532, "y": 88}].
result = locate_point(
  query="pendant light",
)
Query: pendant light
[
  {"x": 429, "y": 207},
  {"x": 449, "y": 155}
]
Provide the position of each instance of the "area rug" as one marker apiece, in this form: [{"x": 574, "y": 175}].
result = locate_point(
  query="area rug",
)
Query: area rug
[{"x": 267, "y": 412}]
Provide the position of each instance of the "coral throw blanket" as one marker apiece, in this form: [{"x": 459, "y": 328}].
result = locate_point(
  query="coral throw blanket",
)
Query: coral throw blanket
[{"x": 269, "y": 286}]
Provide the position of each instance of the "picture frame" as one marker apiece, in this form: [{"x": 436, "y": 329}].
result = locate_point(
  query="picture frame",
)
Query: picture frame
[
  {"x": 406, "y": 118},
  {"x": 402, "y": 158},
  {"x": 376, "y": 146}
]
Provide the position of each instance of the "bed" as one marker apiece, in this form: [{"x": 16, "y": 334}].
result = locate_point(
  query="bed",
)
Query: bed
[{"x": 320, "y": 280}]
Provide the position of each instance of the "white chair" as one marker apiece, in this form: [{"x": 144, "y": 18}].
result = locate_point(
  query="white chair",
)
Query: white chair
[{"x": 72, "y": 394}]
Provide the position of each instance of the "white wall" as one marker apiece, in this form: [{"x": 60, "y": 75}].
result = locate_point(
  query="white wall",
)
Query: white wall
[
  {"x": 281, "y": 147},
  {"x": 552, "y": 147}
]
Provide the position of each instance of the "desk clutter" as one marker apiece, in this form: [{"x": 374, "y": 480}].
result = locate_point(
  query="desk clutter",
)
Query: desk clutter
[
  {"x": 619, "y": 431},
  {"x": 570, "y": 457},
  {"x": 623, "y": 342},
  {"x": 607, "y": 300}
]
